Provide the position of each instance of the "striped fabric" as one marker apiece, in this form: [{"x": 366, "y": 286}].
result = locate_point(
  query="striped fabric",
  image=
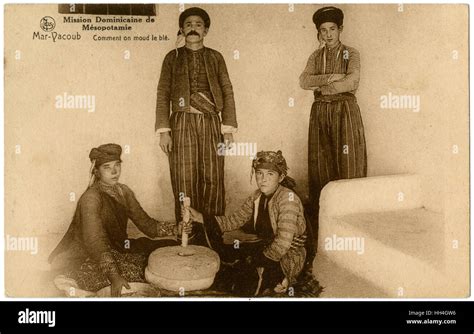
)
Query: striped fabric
[
  {"x": 201, "y": 102},
  {"x": 197, "y": 171},
  {"x": 336, "y": 143},
  {"x": 341, "y": 60}
]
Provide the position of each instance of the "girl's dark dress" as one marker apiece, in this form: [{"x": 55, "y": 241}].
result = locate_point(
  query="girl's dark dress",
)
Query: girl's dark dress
[{"x": 96, "y": 243}]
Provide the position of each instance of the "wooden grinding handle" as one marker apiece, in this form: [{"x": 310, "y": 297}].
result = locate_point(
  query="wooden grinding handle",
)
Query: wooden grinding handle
[{"x": 184, "y": 236}]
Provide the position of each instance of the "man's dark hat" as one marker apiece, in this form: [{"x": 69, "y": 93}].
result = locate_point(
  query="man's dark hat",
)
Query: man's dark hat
[{"x": 195, "y": 11}]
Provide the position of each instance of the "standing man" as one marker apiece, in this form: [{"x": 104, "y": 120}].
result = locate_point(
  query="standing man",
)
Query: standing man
[
  {"x": 336, "y": 145},
  {"x": 195, "y": 81}
]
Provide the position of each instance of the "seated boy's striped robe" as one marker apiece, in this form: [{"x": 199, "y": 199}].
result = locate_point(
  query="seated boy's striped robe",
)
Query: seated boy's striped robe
[{"x": 287, "y": 220}]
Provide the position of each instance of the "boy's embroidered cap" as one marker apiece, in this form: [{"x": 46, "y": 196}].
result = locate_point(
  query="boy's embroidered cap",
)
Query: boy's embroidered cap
[
  {"x": 271, "y": 160},
  {"x": 328, "y": 14},
  {"x": 105, "y": 153},
  {"x": 195, "y": 11}
]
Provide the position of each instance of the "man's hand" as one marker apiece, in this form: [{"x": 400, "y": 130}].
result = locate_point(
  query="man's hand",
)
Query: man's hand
[
  {"x": 228, "y": 140},
  {"x": 166, "y": 143},
  {"x": 117, "y": 283}
]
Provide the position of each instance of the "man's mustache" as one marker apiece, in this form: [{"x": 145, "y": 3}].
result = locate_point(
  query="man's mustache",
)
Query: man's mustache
[{"x": 192, "y": 32}]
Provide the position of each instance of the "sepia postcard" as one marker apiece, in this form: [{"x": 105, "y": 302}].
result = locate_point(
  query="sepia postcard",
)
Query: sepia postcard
[{"x": 286, "y": 151}]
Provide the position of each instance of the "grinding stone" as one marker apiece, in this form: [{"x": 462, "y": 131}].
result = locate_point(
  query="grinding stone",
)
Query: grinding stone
[{"x": 189, "y": 268}]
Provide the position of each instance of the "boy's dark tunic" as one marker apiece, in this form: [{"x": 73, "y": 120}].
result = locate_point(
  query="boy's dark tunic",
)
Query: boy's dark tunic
[{"x": 96, "y": 243}]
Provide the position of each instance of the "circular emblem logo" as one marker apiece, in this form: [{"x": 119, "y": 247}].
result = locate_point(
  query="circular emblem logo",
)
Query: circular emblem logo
[{"x": 47, "y": 23}]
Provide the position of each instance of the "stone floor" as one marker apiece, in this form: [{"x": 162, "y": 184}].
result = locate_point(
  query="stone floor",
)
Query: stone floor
[
  {"x": 29, "y": 276},
  {"x": 338, "y": 282}
]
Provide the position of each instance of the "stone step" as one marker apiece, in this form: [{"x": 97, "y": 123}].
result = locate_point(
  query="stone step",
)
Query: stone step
[{"x": 400, "y": 252}]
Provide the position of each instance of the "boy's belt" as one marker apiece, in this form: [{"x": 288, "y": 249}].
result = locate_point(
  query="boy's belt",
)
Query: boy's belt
[{"x": 318, "y": 97}]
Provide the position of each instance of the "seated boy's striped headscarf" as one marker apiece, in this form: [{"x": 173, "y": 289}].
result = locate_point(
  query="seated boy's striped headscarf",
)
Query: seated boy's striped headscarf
[
  {"x": 270, "y": 160},
  {"x": 273, "y": 161}
]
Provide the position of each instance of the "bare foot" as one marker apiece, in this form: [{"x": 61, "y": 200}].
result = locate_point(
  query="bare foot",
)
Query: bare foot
[{"x": 282, "y": 287}]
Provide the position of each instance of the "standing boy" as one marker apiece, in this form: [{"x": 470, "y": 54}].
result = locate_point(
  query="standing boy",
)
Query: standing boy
[{"x": 336, "y": 145}]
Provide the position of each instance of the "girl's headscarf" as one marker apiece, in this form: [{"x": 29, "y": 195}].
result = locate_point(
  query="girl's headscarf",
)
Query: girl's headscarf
[{"x": 101, "y": 155}]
